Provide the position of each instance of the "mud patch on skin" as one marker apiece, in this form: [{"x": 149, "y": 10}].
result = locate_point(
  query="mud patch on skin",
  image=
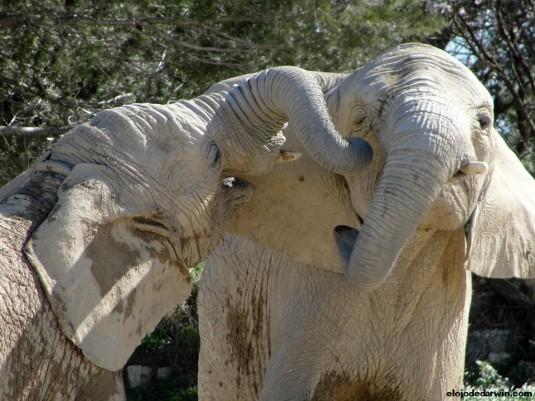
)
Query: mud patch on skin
[
  {"x": 245, "y": 337},
  {"x": 130, "y": 303},
  {"x": 340, "y": 387},
  {"x": 111, "y": 259},
  {"x": 238, "y": 338}
]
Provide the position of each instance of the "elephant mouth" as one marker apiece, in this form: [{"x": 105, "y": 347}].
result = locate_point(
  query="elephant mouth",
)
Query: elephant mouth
[
  {"x": 187, "y": 247},
  {"x": 237, "y": 192},
  {"x": 456, "y": 201},
  {"x": 459, "y": 175},
  {"x": 345, "y": 237}
]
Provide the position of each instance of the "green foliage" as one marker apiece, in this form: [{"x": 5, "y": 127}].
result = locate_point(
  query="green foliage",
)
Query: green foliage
[
  {"x": 195, "y": 272},
  {"x": 61, "y": 61},
  {"x": 158, "y": 339},
  {"x": 179, "y": 329},
  {"x": 181, "y": 326},
  {"x": 163, "y": 390},
  {"x": 495, "y": 39},
  {"x": 487, "y": 378},
  {"x": 174, "y": 343},
  {"x": 16, "y": 155}
]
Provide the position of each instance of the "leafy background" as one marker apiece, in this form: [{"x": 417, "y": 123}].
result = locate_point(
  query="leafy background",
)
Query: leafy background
[{"x": 62, "y": 61}]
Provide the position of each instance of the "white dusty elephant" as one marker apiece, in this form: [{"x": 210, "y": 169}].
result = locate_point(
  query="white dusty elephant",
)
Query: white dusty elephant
[
  {"x": 314, "y": 309},
  {"x": 97, "y": 237}
]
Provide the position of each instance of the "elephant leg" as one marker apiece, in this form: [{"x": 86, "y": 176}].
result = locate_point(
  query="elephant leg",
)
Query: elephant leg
[
  {"x": 290, "y": 373},
  {"x": 250, "y": 325},
  {"x": 307, "y": 334},
  {"x": 234, "y": 321},
  {"x": 325, "y": 340}
]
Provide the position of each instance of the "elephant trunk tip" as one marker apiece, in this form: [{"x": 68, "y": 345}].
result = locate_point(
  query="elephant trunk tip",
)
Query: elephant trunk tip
[{"x": 357, "y": 270}]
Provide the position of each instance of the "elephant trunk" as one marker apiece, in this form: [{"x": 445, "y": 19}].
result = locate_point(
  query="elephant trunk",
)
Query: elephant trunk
[
  {"x": 256, "y": 109},
  {"x": 414, "y": 174}
]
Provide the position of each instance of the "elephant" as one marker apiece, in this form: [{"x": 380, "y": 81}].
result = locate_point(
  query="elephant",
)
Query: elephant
[
  {"x": 364, "y": 292},
  {"x": 96, "y": 238}
]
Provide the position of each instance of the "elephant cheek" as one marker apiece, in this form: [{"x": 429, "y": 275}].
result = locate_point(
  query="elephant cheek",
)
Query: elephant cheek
[
  {"x": 453, "y": 207},
  {"x": 443, "y": 215}
]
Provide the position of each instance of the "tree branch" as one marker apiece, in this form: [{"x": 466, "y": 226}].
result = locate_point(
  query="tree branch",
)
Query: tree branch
[
  {"x": 33, "y": 132},
  {"x": 510, "y": 293},
  {"x": 207, "y": 48},
  {"x": 509, "y": 39},
  {"x": 19, "y": 19},
  {"x": 480, "y": 51}
]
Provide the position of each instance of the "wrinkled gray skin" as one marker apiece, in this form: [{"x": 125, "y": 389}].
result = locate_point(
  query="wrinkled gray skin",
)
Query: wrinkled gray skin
[
  {"x": 313, "y": 309},
  {"x": 142, "y": 187}
]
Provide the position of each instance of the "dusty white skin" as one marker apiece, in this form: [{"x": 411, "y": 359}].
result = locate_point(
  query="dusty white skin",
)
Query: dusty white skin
[
  {"x": 96, "y": 239},
  {"x": 299, "y": 311}
]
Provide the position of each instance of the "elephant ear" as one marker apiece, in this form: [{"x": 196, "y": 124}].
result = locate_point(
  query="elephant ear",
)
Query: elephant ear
[
  {"x": 501, "y": 238},
  {"x": 108, "y": 280}
]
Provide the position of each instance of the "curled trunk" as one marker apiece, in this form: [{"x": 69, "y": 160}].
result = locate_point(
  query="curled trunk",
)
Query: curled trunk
[
  {"x": 408, "y": 187},
  {"x": 256, "y": 109}
]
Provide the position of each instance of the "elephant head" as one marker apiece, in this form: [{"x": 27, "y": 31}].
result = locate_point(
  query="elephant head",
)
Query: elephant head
[
  {"x": 142, "y": 199},
  {"x": 438, "y": 164},
  {"x": 444, "y": 166}
]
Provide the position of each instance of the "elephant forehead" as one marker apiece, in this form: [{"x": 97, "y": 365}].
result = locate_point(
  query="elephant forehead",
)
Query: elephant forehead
[
  {"x": 417, "y": 64},
  {"x": 149, "y": 140}
]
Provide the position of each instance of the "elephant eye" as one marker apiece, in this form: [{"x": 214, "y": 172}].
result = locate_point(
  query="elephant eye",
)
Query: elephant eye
[
  {"x": 484, "y": 119},
  {"x": 214, "y": 156}
]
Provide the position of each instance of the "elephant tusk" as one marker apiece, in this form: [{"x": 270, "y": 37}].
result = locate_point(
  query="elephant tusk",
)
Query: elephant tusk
[
  {"x": 287, "y": 156},
  {"x": 474, "y": 168}
]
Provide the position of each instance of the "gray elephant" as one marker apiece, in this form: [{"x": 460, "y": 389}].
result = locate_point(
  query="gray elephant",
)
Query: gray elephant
[
  {"x": 364, "y": 292},
  {"x": 97, "y": 237}
]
